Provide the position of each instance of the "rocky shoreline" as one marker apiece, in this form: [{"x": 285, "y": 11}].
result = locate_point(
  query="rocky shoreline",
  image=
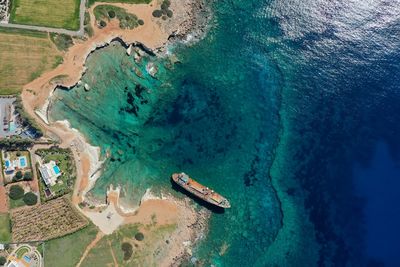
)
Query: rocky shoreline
[{"x": 195, "y": 23}]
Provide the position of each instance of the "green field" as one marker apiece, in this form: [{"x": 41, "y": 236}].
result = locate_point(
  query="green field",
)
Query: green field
[
  {"x": 24, "y": 55},
  {"x": 50, "y": 13},
  {"x": 5, "y": 231},
  {"x": 67, "y": 251},
  {"x": 16, "y": 203},
  {"x": 91, "y": 2}
]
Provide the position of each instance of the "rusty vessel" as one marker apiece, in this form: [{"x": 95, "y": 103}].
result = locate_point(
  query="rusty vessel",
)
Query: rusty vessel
[{"x": 199, "y": 190}]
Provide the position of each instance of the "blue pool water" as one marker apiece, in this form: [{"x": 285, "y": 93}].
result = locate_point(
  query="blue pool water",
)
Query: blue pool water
[
  {"x": 56, "y": 169},
  {"x": 22, "y": 162},
  {"x": 27, "y": 258},
  {"x": 7, "y": 163},
  {"x": 273, "y": 109}
]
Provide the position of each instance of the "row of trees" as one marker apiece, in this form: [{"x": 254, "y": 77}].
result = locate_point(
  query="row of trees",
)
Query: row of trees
[{"x": 27, "y": 120}]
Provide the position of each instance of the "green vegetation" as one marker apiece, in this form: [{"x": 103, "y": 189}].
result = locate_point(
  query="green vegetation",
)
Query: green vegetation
[
  {"x": 64, "y": 160},
  {"x": 15, "y": 142},
  {"x": 5, "y": 228},
  {"x": 16, "y": 203},
  {"x": 108, "y": 12},
  {"x": 27, "y": 120},
  {"x": 66, "y": 251},
  {"x": 88, "y": 27},
  {"x": 24, "y": 55},
  {"x": 28, "y": 176},
  {"x": 100, "y": 255},
  {"x": 139, "y": 236},
  {"x": 21, "y": 252},
  {"x": 16, "y": 192},
  {"x": 127, "y": 249},
  {"x": 3, "y": 260},
  {"x": 18, "y": 175},
  {"x": 30, "y": 199},
  {"x": 62, "y": 41},
  {"x": 50, "y": 13},
  {"x": 164, "y": 12},
  {"x": 91, "y": 2}
]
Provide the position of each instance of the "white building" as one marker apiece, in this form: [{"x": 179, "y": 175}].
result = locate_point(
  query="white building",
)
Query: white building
[{"x": 50, "y": 172}]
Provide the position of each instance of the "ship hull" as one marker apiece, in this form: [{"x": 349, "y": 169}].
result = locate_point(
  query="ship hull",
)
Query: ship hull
[{"x": 200, "y": 191}]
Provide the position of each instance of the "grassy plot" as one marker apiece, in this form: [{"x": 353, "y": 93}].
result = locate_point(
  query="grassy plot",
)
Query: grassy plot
[
  {"x": 5, "y": 231},
  {"x": 129, "y": 246},
  {"x": 50, "y": 13},
  {"x": 101, "y": 255},
  {"x": 24, "y": 56},
  {"x": 16, "y": 203},
  {"x": 67, "y": 251}
]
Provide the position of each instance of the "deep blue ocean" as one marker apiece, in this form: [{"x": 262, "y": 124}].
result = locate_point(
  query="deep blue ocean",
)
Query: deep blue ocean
[{"x": 289, "y": 108}]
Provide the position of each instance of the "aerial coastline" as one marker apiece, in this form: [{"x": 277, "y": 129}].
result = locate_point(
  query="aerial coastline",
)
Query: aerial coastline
[{"x": 153, "y": 36}]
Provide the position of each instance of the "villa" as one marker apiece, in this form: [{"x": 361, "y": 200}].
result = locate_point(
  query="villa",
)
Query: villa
[
  {"x": 17, "y": 164},
  {"x": 50, "y": 172}
]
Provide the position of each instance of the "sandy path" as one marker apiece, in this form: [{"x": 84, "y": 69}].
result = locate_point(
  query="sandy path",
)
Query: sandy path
[
  {"x": 112, "y": 254},
  {"x": 3, "y": 199},
  {"x": 89, "y": 247}
]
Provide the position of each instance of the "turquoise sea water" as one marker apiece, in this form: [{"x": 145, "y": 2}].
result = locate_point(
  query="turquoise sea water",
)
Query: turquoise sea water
[{"x": 272, "y": 109}]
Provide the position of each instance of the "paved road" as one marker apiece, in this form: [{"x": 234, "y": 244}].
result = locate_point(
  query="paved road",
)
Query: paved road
[{"x": 81, "y": 31}]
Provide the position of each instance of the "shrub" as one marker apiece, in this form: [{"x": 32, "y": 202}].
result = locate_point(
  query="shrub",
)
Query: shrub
[
  {"x": 18, "y": 153},
  {"x": 18, "y": 175},
  {"x": 167, "y": 2},
  {"x": 28, "y": 176},
  {"x": 164, "y": 17},
  {"x": 170, "y": 13},
  {"x": 30, "y": 199},
  {"x": 164, "y": 6},
  {"x": 157, "y": 13},
  {"x": 16, "y": 192},
  {"x": 140, "y": 22},
  {"x": 139, "y": 236},
  {"x": 111, "y": 14},
  {"x": 127, "y": 249},
  {"x": 102, "y": 23},
  {"x": 3, "y": 260}
]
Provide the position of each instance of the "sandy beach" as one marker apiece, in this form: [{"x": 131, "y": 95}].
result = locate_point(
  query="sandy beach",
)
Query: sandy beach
[{"x": 154, "y": 35}]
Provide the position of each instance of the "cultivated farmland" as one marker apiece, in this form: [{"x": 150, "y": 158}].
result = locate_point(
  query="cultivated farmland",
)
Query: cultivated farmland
[
  {"x": 50, "y": 13},
  {"x": 24, "y": 55},
  {"x": 47, "y": 221}
]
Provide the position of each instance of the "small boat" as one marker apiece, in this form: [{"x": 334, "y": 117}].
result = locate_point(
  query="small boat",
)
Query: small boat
[{"x": 200, "y": 191}]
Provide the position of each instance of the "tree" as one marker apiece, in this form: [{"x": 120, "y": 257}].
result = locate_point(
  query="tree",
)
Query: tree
[
  {"x": 111, "y": 14},
  {"x": 3, "y": 260},
  {"x": 170, "y": 13},
  {"x": 157, "y": 13},
  {"x": 28, "y": 176},
  {"x": 139, "y": 236},
  {"x": 16, "y": 192},
  {"x": 30, "y": 199},
  {"x": 18, "y": 175},
  {"x": 127, "y": 249}
]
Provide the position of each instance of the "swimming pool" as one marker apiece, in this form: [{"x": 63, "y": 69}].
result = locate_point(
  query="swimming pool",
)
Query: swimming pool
[
  {"x": 22, "y": 162},
  {"x": 56, "y": 170},
  {"x": 27, "y": 258},
  {"x": 7, "y": 163}
]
